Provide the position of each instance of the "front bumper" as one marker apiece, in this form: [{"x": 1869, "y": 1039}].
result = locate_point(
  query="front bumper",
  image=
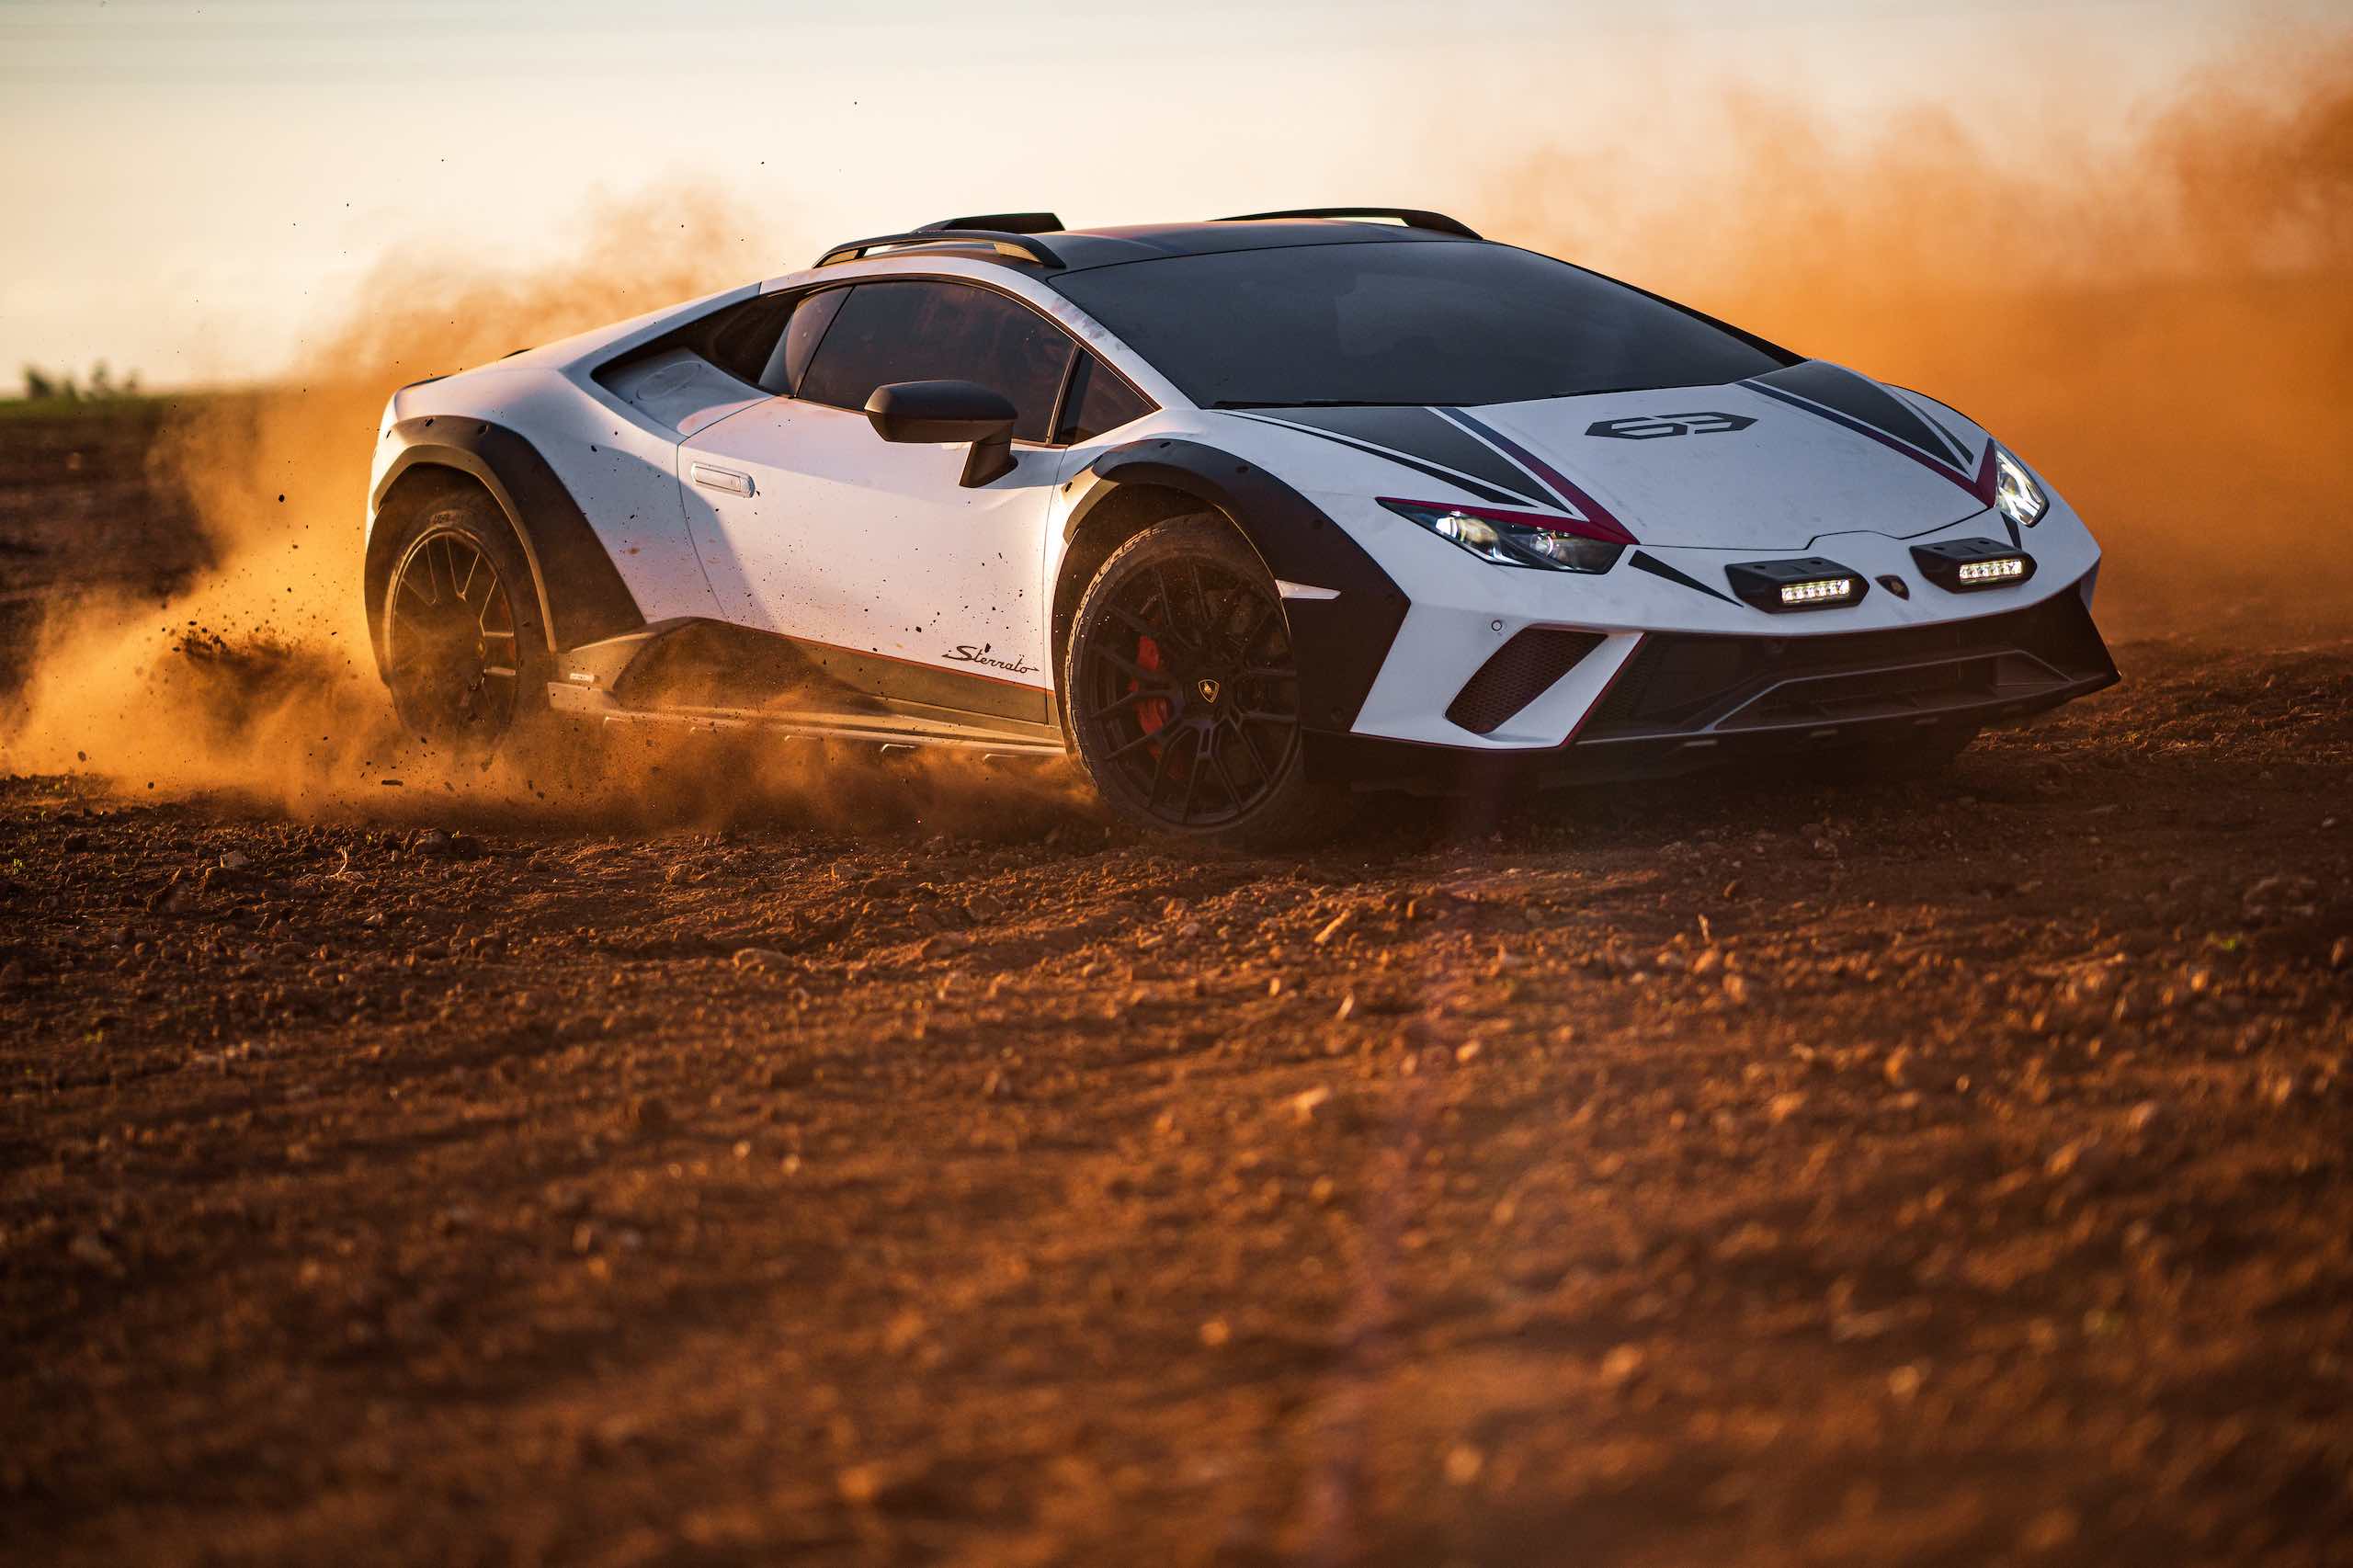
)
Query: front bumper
[
  {"x": 1677, "y": 702},
  {"x": 1463, "y": 611}
]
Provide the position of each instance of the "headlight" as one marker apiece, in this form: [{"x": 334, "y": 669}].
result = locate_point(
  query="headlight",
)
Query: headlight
[
  {"x": 2015, "y": 495},
  {"x": 1517, "y": 539}
]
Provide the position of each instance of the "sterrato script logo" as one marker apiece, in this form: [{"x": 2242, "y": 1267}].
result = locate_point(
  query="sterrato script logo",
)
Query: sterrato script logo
[{"x": 965, "y": 653}]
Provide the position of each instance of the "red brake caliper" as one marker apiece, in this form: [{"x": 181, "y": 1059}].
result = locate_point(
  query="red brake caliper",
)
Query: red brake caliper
[{"x": 1152, "y": 712}]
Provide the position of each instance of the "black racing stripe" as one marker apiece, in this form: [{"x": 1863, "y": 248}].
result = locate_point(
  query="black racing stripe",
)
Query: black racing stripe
[
  {"x": 1423, "y": 434},
  {"x": 1860, "y": 400},
  {"x": 1461, "y": 482},
  {"x": 1961, "y": 451},
  {"x": 1642, "y": 561}
]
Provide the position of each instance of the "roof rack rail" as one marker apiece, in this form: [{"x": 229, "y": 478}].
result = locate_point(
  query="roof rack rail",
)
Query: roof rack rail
[
  {"x": 1002, "y": 222},
  {"x": 1412, "y": 217},
  {"x": 1006, "y": 243}
]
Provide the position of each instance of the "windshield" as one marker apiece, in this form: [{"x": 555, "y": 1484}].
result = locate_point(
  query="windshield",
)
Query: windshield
[{"x": 1402, "y": 323}]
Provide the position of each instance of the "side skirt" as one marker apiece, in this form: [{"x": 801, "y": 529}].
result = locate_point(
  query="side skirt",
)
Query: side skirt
[
  {"x": 714, "y": 675},
  {"x": 888, "y": 731}
]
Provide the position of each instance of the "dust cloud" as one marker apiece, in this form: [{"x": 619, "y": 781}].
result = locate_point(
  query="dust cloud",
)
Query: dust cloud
[
  {"x": 2153, "y": 307},
  {"x": 256, "y": 677}
]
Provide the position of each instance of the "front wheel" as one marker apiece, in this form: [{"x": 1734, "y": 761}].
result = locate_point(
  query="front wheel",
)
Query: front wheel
[{"x": 1182, "y": 693}]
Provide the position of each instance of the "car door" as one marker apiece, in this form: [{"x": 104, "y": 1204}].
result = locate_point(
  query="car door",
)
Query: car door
[{"x": 892, "y": 577}]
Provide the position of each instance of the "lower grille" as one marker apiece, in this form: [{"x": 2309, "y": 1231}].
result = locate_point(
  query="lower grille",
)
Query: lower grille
[
  {"x": 1521, "y": 671},
  {"x": 1861, "y": 693},
  {"x": 1687, "y": 683}
]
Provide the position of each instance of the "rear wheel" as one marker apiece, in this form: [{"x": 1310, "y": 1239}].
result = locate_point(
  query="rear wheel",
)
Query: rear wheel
[
  {"x": 1181, "y": 692},
  {"x": 465, "y": 651}
]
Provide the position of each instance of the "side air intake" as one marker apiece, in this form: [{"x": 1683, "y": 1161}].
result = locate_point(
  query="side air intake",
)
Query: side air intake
[{"x": 1521, "y": 671}]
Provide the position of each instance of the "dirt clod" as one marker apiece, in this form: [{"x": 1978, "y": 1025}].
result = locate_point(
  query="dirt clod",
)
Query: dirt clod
[{"x": 89, "y": 1248}]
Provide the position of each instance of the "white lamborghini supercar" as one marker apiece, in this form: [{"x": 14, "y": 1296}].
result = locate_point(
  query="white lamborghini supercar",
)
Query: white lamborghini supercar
[{"x": 1237, "y": 511}]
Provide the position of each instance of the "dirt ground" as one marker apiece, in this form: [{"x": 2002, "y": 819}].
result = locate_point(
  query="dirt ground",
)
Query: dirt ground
[
  {"x": 78, "y": 513},
  {"x": 1737, "y": 1171}
]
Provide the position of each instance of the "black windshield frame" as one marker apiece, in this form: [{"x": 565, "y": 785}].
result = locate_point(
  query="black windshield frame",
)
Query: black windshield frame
[{"x": 1456, "y": 325}]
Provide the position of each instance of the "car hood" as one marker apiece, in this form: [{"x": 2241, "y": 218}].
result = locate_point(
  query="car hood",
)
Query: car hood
[{"x": 1773, "y": 462}]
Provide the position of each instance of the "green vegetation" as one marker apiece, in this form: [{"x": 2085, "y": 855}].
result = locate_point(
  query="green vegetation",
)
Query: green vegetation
[
  {"x": 40, "y": 386},
  {"x": 49, "y": 395},
  {"x": 59, "y": 395}
]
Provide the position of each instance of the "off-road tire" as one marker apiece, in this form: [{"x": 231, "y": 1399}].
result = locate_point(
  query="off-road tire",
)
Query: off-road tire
[{"x": 1181, "y": 695}]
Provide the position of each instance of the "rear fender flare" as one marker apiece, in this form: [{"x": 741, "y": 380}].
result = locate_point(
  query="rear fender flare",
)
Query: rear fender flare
[{"x": 581, "y": 594}]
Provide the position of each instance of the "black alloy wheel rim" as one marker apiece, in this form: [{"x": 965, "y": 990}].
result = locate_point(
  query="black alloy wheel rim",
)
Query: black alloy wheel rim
[
  {"x": 1189, "y": 692},
  {"x": 451, "y": 642}
]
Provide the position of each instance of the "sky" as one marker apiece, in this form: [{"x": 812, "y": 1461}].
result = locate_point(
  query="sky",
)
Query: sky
[{"x": 196, "y": 191}]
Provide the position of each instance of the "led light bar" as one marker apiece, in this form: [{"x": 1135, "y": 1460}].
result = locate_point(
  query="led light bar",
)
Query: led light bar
[
  {"x": 1779, "y": 587},
  {"x": 1973, "y": 565}
]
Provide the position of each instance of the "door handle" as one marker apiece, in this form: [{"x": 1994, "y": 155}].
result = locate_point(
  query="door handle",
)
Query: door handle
[{"x": 725, "y": 479}]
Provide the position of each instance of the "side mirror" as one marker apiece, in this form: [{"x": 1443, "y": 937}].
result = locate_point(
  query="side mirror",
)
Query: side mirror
[{"x": 949, "y": 410}]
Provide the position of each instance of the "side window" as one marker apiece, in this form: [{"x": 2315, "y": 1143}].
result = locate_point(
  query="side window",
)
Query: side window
[
  {"x": 738, "y": 339},
  {"x": 810, "y": 317},
  {"x": 920, "y": 329},
  {"x": 1099, "y": 400}
]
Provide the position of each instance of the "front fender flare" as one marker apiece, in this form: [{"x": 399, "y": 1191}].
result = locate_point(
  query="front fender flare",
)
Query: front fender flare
[{"x": 1339, "y": 642}]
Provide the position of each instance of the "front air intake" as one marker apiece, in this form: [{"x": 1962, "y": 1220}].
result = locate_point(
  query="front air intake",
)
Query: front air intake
[{"x": 1521, "y": 671}]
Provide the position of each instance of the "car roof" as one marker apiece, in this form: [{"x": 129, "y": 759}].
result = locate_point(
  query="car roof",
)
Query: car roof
[{"x": 1078, "y": 250}]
